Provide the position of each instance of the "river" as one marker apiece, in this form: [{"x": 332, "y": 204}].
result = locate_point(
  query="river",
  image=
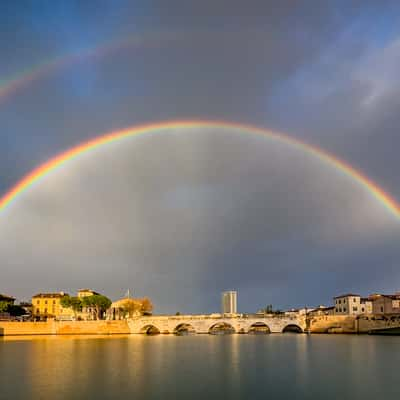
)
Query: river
[{"x": 276, "y": 366}]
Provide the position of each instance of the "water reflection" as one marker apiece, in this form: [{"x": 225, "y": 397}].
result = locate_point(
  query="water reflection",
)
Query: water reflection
[{"x": 200, "y": 366}]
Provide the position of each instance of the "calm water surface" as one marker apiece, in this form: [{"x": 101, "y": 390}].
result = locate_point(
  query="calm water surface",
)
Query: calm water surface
[{"x": 201, "y": 367}]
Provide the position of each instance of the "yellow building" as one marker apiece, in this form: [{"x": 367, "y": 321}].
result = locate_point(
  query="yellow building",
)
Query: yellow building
[
  {"x": 86, "y": 293},
  {"x": 47, "y": 305}
]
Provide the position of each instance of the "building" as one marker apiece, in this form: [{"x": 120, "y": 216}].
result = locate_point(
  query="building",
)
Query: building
[
  {"x": 86, "y": 293},
  {"x": 295, "y": 312},
  {"x": 385, "y": 303},
  {"x": 229, "y": 302},
  {"x": 321, "y": 310},
  {"x": 48, "y": 305},
  {"x": 352, "y": 304}
]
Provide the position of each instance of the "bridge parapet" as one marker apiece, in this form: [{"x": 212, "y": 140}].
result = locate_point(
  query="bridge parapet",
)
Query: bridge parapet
[{"x": 204, "y": 323}]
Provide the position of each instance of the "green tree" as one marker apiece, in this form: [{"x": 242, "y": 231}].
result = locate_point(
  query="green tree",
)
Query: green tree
[
  {"x": 98, "y": 303},
  {"x": 15, "y": 310},
  {"x": 75, "y": 303},
  {"x": 4, "y": 306}
]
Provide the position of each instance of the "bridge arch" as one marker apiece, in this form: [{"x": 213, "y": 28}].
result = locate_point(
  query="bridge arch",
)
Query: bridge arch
[
  {"x": 150, "y": 329},
  {"x": 292, "y": 328},
  {"x": 259, "y": 328},
  {"x": 221, "y": 328},
  {"x": 184, "y": 329}
]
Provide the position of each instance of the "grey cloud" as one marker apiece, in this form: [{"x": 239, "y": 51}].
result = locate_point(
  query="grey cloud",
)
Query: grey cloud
[
  {"x": 182, "y": 216},
  {"x": 195, "y": 209}
]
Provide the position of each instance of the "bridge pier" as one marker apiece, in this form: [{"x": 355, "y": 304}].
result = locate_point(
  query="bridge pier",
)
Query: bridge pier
[{"x": 202, "y": 324}]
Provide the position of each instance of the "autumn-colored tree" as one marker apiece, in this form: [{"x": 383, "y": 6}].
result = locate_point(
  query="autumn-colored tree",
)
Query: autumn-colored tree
[{"x": 147, "y": 306}]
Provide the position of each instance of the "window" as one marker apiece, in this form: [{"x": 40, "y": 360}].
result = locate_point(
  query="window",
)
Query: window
[
  {"x": 45, "y": 302},
  {"x": 354, "y": 299},
  {"x": 54, "y": 302},
  {"x": 344, "y": 300},
  {"x": 37, "y": 302},
  {"x": 355, "y": 309},
  {"x": 362, "y": 309},
  {"x": 336, "y": 310},
  {"x": 344, "y": 309},
  {"x": 381, "y": 309},
  {"x": 45, "y": 310},
  {"x": 340, "y": 301}
]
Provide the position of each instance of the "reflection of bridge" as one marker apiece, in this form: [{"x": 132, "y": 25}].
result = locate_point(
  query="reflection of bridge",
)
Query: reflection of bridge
[{"x": 209, "y": 323}]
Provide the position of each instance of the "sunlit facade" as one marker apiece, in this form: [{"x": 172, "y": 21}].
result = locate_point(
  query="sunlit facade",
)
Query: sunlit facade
[
  {"x": 48, "y": 305},
  {"x": 229, "y": 302}
]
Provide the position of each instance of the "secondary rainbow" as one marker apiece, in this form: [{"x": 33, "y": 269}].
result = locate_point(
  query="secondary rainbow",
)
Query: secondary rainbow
[
  {"x": 24, "y": 78},
  {"x": 57, "y": 162}
]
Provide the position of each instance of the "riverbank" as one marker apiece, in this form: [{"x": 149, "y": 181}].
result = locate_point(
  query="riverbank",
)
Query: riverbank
[
  {"x": 376, "y": 324},
  {"x": 64, "y": 328},
  {"x": 379, "y": 323}
]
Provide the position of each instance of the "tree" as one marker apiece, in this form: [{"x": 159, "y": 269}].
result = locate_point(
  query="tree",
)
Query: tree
[
  {"x": 75, "y": 303},
  {"x": 98, "y": 302},
  {"x": 268, "y": 309},
  {"x": 4, "y": 306},
  {"x": 130, "y": 307},
  {"x": 147, "y": 306},
  {"x": 15, "y": 310}
]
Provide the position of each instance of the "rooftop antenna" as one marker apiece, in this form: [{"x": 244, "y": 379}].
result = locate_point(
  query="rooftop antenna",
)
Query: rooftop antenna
[{"x": 128, "y": 294}]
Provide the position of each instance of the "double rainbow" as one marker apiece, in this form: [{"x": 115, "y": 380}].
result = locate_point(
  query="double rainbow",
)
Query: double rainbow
[{"x": 57, "y": 162}]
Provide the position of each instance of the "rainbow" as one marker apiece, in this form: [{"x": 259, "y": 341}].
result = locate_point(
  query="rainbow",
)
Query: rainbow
[
  {"x": 24, "y": 78},
  {"x": 57, "y": 162}
]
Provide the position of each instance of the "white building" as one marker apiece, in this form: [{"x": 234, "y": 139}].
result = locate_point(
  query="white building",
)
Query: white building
[
  {"x": 352, "y": 304},
  {"x": 229, "y": 302}
]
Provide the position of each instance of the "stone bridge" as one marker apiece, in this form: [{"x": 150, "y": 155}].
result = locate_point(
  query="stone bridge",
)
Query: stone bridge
[{"x": 210, "y": 324}]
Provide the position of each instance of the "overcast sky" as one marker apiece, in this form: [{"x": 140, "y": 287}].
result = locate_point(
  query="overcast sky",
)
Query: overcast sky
[{"x": 182, "y": 214}]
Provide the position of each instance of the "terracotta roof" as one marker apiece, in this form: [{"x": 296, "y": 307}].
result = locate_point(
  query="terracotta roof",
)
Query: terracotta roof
[
  {"x": 347, "y": 295},
  {"x": 51, "y": 295},
  {"x": 389, "y": 296}
]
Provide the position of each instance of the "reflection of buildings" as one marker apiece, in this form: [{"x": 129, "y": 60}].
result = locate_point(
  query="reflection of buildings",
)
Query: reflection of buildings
[
  {"x": 229, "y": 302},
  {"x": 48, "y": 305}
]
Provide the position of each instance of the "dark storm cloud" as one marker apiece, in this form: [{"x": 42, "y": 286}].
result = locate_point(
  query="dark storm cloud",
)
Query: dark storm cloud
[
  {"x": 324, "y": 72},
  {"x": 198, "y": 211}
]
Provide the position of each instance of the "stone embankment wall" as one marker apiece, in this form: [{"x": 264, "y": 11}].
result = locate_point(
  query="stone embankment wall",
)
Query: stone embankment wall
[
  {"x": 332, "y": 324},
  {"x": 351, "y": 324},
  {"x": 64, "y": 328},
  {"x": 377, "y": 323}
]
